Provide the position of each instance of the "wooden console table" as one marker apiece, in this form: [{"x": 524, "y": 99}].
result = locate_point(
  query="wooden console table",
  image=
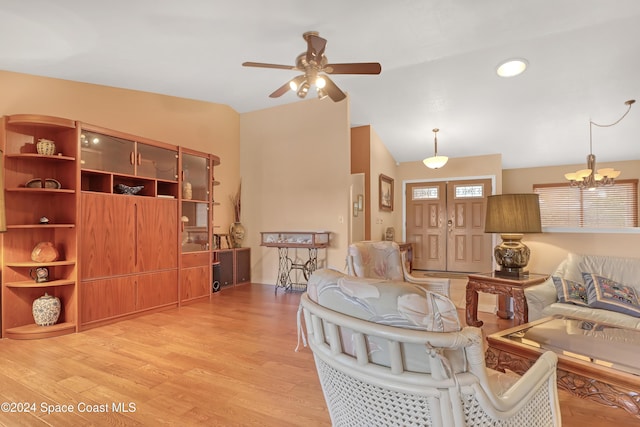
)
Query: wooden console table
[{"x": 504, "y": 287}]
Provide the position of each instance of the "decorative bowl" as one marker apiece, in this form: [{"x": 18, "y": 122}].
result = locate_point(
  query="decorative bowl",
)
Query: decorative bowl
[
  {"x": 46, "y": 147},
  {"x": 125, "y": 189},
  {"x": 44, "y": 252}
]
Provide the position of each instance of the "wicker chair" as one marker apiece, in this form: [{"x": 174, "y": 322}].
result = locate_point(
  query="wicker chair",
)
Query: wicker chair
[
  {"x": 385, "y": 260},
  {"x": 374, "y": 374}
]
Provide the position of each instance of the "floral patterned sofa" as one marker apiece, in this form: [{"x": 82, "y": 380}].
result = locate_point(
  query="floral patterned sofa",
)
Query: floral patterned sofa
[{"x": 600, "y": 288}]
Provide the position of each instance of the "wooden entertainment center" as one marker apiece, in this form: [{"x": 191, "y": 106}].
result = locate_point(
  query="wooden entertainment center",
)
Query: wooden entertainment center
[{"x": 131, "y": 218}]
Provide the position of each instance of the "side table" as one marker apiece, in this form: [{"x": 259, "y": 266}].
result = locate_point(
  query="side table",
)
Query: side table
[{"x": 505, "y": 287}]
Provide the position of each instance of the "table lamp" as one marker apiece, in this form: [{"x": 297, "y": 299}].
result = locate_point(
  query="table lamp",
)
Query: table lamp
[{"x": 512, "y": 215}]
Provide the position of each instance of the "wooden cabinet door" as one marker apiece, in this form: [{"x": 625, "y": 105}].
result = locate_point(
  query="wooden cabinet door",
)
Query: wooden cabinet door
[
  {"x": 107, "y": 244},
  {"x": 243, "y": 265},
  {"x": 156, "y": 234},
  {"x": 157, "y": 289},
  {"x": 194, "y": 283},
  {"x": 108, "y": 298}
]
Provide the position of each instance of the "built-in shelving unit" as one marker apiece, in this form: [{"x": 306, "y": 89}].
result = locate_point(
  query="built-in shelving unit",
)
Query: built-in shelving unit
[
  {"x": 25, "y": 169},
  {"x": 130, "y": 238}
]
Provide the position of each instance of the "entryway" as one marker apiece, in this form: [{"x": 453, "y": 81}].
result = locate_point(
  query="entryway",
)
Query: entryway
[{"x": 445, "y": 223}]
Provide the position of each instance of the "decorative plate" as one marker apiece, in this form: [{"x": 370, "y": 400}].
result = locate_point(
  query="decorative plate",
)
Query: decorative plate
[
  {"x": 48, "y": 183},
  {"x": 34, "y": 183},
  {"x": 51, "y": 183}
]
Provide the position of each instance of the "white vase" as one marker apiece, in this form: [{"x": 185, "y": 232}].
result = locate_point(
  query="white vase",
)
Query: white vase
[{"x": 46, "y": 310}]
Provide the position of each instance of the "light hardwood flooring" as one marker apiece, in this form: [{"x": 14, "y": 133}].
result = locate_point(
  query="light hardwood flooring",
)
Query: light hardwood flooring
[{"x": 229, "y": 361}]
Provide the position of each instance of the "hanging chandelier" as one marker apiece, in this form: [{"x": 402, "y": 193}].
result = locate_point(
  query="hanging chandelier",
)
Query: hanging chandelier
[
  {"x": 590, "y": 178},
  {"x": 435, "y": 162}
]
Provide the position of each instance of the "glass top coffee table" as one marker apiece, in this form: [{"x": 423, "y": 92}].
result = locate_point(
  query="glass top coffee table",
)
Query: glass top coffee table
[{"x": 596, "y": 361}]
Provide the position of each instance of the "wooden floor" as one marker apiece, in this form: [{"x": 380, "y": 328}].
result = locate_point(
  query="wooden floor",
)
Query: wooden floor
[{"x": 227, "y": 362}]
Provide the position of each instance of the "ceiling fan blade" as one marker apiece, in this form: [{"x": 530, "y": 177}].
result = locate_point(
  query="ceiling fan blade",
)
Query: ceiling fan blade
[
  {"x": 333, "y": 91},
  {"x": 280, "y": 91},
  {"x": 353, "y": 68},
  {"x": 263, "y": 65},
  {"x": 315, "y": 47}
]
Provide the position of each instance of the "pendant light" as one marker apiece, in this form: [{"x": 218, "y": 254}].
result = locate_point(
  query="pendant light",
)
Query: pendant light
[
  {"x": 435, "y": 162},
  {"x": 590, "y": 178}
]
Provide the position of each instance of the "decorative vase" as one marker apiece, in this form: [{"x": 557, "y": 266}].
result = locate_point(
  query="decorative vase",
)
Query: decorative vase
[
  {"x": 187, "y": 191},
  {"x": 237, "y": 234},
  {"x": 46, "y": 147},
  {"x": 44, "y": 252},
  {"x": 46, "y": 310}
]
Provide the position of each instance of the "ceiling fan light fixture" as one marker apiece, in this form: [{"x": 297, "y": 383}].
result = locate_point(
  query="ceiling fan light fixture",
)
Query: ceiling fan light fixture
[
  {"x": 312, "y": 63},
  {"x": 435, "y": 162},
  {"x": 512, "y": 67},
  {"x": 296, "y": 82},
  {"x": 303, "y": 89}
]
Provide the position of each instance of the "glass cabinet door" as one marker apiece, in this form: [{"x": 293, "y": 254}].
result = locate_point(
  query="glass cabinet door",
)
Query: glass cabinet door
[
  {"x": 156, "y": 162},
  {"x": 106, "y": 153},
  {"x": 195, "y": 203},
  {"x": 195, "y": 226},
  {"x": 195, "y": 177}
]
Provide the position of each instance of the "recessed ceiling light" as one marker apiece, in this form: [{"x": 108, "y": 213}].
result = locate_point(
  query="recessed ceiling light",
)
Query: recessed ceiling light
[{"x": 512, "y": 67}]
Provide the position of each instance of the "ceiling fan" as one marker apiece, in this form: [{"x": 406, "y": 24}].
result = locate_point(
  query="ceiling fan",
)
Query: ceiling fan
[{"x": 315, "y": 66}]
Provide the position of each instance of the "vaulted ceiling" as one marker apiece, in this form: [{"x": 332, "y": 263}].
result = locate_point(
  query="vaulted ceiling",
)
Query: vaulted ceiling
[{"x": 438, "y": 64}]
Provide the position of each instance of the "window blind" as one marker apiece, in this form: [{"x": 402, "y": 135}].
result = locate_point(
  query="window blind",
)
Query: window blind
[{"x": 603, "y": 207}]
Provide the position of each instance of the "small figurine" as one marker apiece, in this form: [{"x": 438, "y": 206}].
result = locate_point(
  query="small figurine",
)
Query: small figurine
[{"x": 44, "y": 220}]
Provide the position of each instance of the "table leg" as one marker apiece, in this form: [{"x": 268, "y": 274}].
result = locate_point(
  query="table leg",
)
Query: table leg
[
  {"x": 520, "y": 308},
  {"x": 504, "y": 307},
  {"x": 472, "y": 306},
  {"x": 284, "y": 269}
]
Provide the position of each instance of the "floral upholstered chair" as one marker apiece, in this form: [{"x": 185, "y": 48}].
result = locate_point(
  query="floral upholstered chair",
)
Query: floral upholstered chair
[
  {"x": 395, "y": 354},
  {"x": 384, "y": 260}
]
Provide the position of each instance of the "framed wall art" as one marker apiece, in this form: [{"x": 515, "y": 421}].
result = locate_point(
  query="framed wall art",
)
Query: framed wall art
[{"x": 385, "y": 197}]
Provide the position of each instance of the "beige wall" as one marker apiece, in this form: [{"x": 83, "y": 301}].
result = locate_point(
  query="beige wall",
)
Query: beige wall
[
  {"x": 203, "y": 126},
  {"x": 295, "y": 168},
  {"x": 382, "y": 163},
  {"x": 549, "y": 249}
]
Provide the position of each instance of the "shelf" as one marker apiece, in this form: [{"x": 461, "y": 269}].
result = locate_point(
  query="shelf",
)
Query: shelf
[
  {"x": 32, "y": 156},
  {"x": 33, "y": 331},
  {"x": 33, "y": 284},
  {"x": 30, "y": 264},
  {"x": 39, "y": 226},
  {"x": 38, "y": 120},
  {"x": 41, "y": 190}
]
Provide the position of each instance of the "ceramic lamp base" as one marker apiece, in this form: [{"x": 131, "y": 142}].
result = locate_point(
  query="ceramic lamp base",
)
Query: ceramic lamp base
[{"x": 512, "y": 256}]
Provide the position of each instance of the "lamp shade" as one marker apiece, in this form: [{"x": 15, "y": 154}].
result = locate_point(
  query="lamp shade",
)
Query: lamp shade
[{"x": 513, "y": 213}]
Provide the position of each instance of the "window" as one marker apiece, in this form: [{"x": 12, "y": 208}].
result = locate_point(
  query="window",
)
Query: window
[
  {"x": 603, "y": 207},
  {"x": 423, "y": 193},
  {"x": 469, "y": 191}
]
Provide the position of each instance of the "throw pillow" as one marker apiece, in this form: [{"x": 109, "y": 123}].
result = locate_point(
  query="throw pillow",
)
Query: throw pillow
[
  {"x": 571, "y": 292},
  {"x": 611, "y": 295}
]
